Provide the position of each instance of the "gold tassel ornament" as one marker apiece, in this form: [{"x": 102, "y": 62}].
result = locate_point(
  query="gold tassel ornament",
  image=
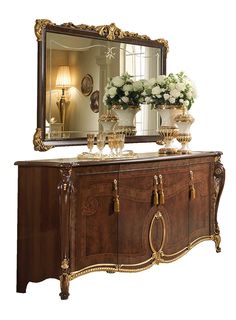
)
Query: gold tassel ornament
[
  {"x": 191, "y": 187},
  {"x": 156, "y": 195},
  {"x": 116, "y": 199},
  {"x": 161, "y": 191}
]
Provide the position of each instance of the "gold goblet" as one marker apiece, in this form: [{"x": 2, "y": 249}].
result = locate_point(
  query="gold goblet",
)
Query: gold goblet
[
  {"x": 111, "y": 137},
  {"x": 100, "y": 143},
  {"x": 90, "y": 142},
  {"x": 121, "y": 143}
]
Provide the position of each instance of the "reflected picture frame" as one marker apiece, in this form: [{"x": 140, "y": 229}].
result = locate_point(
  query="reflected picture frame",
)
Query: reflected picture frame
[
  {"x": 94, "y": 101},
  {"x": 87, "y": 85}
]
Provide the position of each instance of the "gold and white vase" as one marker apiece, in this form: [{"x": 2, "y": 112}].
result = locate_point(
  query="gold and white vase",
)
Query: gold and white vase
[
  {"x": 126, "y": 119},
  {"x": 184, "y": 122},
  {"x": 108, "y": 122},
  {"x": 168, "y": 130}
]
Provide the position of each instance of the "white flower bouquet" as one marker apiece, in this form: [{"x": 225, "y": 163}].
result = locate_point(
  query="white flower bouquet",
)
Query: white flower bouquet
[
  {"x": 123, "y": 91},
  {"x": 173, "y": 89}
]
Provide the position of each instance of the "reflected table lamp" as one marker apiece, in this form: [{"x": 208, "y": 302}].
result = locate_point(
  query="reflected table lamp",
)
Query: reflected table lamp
[{"x": 63, "y": 81}]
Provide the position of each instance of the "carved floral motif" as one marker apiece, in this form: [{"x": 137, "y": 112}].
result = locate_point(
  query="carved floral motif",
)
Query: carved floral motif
[{"x": 110, "y": 32}]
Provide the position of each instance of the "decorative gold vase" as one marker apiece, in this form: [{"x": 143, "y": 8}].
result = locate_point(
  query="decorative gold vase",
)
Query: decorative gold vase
[
  {"x": 108, "y": 122},
  {"x": 168, "y": 130},
  {"x": 126, "y": 119},
  {"x": 184, "y": 122}
]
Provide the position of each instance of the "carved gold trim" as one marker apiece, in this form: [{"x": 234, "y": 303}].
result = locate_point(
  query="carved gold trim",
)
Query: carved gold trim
[
  {"x": 123, "y": 266},
  {"x": 163, "y": 42},
  {"x": 219, "y": 180},
  {"x": 127, "y": 267},
  {"x": 187, "y": 249},
  {"x": 38, "y": 142},
  {"x": 39, "y": 25},
  {"x": 157, "y": 255},
  {"x": 96, "y": 267},
  {"x": 65, "y": 264},
  {"x": 110, "y": 32}
]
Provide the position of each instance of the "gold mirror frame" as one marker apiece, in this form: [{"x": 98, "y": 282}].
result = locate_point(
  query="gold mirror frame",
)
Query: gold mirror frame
[{"x": 108, "y": 32}]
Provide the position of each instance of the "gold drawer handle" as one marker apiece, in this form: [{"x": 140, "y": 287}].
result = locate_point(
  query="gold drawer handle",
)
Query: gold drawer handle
[
  {"x": 192, "y": 187},
  {"x": 116, "y": 199}
]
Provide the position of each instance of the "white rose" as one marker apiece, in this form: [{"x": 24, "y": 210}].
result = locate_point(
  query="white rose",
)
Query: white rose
[
  {"x": 138, "y": 85},
  {"x": 125, "y": 99},
  {"x": 172, "y": 100},
  {"x": 160, "y": 79},
  {"x": 156, "y": 90},
  {"x": 112, "y": 92},
  {"x": 175, "y": 93},
  {"x": 152, "y": 81},
  {"x": 147, "y": 99},
  {"x": 180, "y": 86},
  {"x": 128, "y": 87},
  {"x": 147, "y": 84},
  {"x": 189, "y": 94},
  {"x": 166, "y": 96},
  {"x": 172, "y": 86},
  {"x": 181, "y": 100},
  {"x": 186, "y": 103},
  {"x": 118, "y": 82}
]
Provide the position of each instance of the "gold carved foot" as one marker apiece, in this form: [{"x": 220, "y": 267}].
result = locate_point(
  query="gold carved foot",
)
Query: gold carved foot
[{"x": 217, "y": 240}]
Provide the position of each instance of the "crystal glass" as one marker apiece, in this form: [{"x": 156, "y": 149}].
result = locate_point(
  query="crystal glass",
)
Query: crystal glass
[
  {"x": 101, "y": 142},
  {"x": 116, "y": 143},
  {"x": 90, "y": 142},
  {"x": 121, "y": 143},
  {"x": 111, "y": 137}
]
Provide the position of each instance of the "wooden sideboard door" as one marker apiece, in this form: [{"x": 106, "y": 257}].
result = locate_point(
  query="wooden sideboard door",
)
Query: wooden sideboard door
[
  {"x": 199, "y": 208},
  {"x": 175, "y": 208},
  {"x": 136, "y": 212},
  {"x": 94, "y": 223}
]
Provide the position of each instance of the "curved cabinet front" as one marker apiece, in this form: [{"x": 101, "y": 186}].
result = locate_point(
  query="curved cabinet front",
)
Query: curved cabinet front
[{"x": 113, "y": 216}]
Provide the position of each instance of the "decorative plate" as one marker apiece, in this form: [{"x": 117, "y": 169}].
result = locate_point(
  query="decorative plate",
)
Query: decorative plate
[
  {"x": 94, "y": 101},
  {"x": 87, "y": 85}
]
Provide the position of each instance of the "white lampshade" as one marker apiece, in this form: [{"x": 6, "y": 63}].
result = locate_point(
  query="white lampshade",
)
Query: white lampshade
[{"x": 63, "y": 77}]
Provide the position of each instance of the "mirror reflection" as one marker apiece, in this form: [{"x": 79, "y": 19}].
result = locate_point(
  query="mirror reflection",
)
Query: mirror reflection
[{"x": 78, "y": 73}]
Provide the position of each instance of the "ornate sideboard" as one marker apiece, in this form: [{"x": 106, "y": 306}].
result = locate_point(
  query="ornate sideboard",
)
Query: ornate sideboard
[{"x": 123, "y": 215}]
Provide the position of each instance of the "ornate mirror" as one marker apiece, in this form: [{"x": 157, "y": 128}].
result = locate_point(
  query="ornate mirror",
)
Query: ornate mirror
[{"x": 75, "y": 64}]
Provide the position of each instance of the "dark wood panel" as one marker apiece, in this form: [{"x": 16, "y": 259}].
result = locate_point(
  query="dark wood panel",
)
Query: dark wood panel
[
  {"x": 38, "y": 246},
  {"x": 136, "y": 203},
  {"x": 94, "y": 223},
  {"x": 200, "y": 207},
  {"x": 175, "y": 208}
]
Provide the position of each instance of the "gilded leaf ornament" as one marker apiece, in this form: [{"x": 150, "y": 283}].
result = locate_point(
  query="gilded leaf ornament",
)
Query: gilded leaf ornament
[
  {"x": 38, "y": 142},
  {"x": 110, "y": 32},
  {"x": 39, "y": 25}
]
